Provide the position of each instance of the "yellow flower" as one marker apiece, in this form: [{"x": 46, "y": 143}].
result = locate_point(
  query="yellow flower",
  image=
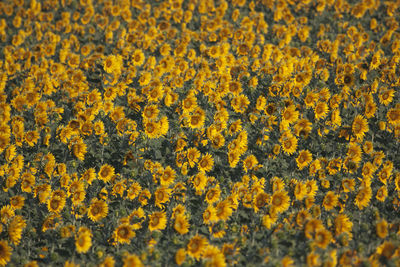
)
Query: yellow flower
[
  {"x": 180, "y": 256},
  {"x": 223, "y": 210},
  {"x": 290, "y": 115},
  {"x": 210, "y": 215},
  {"x": 386, "y": 96},
  {"x": 158, "y": 221},
  {"x": 168, "y": 176},
  {"x": 363, "y": 197},
  {"x": 289, "y": 143},
  {"x": 206, "y": 163},
  {"x": 196, "y": 246},
  {"x": 304, "y": 158},
  {"x": 321, "y": 110},
  {"x": 106, "y": 173},
  {"x": 300, "y": 191},
  {"x": 382, "y": 193},
  {"x": 393, "y": 116},
  {"x": 280, "y": 201},
  {"x": 56, "y": 204},
  {"x": 382, "y": 229},
  {"x": 98, "y": 210},
  {"x": 132, "y": 260},
  {"x": 360, "y": 127},
  {"x": 83, "y": 240},
  {"x": 269, "y": 220},
  {"x": 124, "y": 233},
  {"x": 323, "y": 238},
  {"x": 343, "y": 225},
  {"x": 162, "y": 196},
  {"x": 5, "y": 253},
  {"x": 112, "y": 64},
  {"x": 181, "y": 224},
  {"x": 138, "y": 57},
  {"x": 330, "y": 200},
  {"x": 213, "y": 195},
  {"x": 31, "y": 137}
]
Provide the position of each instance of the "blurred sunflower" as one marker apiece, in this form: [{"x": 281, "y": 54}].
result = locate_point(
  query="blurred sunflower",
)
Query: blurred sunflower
[
  {"x": 181, "y": 224},
  {"x": 106, "y": 173},
  {"x": 363, "y": 197},
  {"x": 360, "y": 126},
  {"x": 124, "y": 233},
  {"x": 5, "y": 252},
  {"x": 98, "y": 210},
  {"x": 289, "y": 143},
  {"x": 304, "y": 158},
  {"x": 196, "y": 246},
  {"x": 206, "y": 163},
  {"x": 323, "y": 238},
  {"x": 280, "y": 201},
  {"x": 158, "y": 221},
  {"x": 83, "y": 240}
]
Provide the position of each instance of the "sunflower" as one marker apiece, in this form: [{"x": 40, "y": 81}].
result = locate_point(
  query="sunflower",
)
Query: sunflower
[
  {"x": 321, "y": 110},
  {"x": 106, "y": 173},
  {"x": 290, "y": 115},
  {"x": 343, "y": 225},
  {"x": 83, "y": 240},
  {"x": 304, "y": 158},
  {"x": 112, "y": 64},
  {"x": 369, "y": 109},
  {"x": 181, "y": 224},
  {"x": 151, "y": 129},
  {"x": 268, "y": 220},
  {"x": 280, "y": 201},
  {"x": 382, "y": 229},
  {"x": 223, "y": 210},
  {"x": 210, "y": 215},
  {"x": 79, "y": 149},
  {"x": 196, "y": 121},
  {"x": 196, "y": 246},
  {"x": 31, "y": 138},
  {"x": 289, "y": 143},
  {"x": 180, "y": 256},
  {"x": 300, "y": 191},
  {"x": 193, "y": 155},
  {"x": 98, "y": 210},
  {"x": 330, "y": 200},
  {"x": 56, "y": 204},
  {"x": 27, "y": 182},
  {"x": 302, "y": 216},
  {"x": 393, "y": 116},
  {"x": 199, "y": 182},
  {"x": 348, "y": 185},
  {"x": 323, "y": 238},
  {"x": 189, "y": 103},
  {"x": 150, "y": 112},
  {"x": 162, "y": 196},
  {"x": 124, "y": 233},
  {"x": 213, "y": 195},
  {"x": 5, "y": 253},
  {"x": 158, "y": 221},
  {"x": 168, "y": 176},
  {"x": 360, "y": 127},
  {"x": 363, "y": 197},
  {"x": 260, "y": 200},
  {"x": 311, "y": 188},
  {"x": 386, "y": 96},
  {"x": 138, "y": 57},
  {"x": 89, "y": 175},
  {"x": 17, "y": 202},
  {"x": 206, "y": 163},
  {"x": 382, "y": 193}
]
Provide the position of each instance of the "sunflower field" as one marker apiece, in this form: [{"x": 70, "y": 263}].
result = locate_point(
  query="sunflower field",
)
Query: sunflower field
[{"x": 199, "y": 133}]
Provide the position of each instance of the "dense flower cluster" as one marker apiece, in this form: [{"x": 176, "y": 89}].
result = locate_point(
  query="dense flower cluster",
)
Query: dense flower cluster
[{"x": 213, "y": 132}]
